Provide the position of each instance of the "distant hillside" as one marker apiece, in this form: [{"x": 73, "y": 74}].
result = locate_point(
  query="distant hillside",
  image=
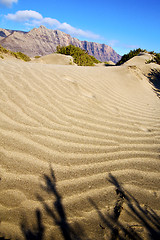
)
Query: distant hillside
[
  {"x": 19, "y": 55},
  {"x": 43, "y": 41}
]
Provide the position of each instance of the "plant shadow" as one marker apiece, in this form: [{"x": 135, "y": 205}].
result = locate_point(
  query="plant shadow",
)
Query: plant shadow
[
  {"x": 56, "y": 212},
  {"x": 146, "y": 219},
  {"x": 37, "y": 232},
  {"x": 154, "y": 79}
]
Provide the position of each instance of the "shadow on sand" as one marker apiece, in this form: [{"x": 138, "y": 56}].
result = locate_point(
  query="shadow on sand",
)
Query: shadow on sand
[
  {"x": 146, "y": 219},
  {"x": 57, "y": 214},
  {"x": 154, "y": 78},
  {"x": 37, "y": 233}
]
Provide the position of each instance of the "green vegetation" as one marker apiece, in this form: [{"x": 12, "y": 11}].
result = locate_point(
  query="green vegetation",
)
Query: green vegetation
[
  {"x": 3, "y": 50},
  {"x": 18, "y": 55},
  {"x": 155, "y": 59},
  {"x": 81, "y": 57},
  {"x": 130, "y": 55},
  {"x": 22, "y": 56},
  {"x": 37, "y": 56},
  {"x": 71, "y": 62}
]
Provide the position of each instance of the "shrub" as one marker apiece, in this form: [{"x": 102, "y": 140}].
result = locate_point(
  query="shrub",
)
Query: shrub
[
  {"x": 37, "y": 56},
  {"x": 130, "y": 55},
  {"x": 3, "y": 50},
  {"x": 81, "y": 57},
  {"x": 21, "y": 55},
  {"x": 155, "y": 58},
  {"x": 71, "y": 62},
  {"x": 18, "y": 55}
]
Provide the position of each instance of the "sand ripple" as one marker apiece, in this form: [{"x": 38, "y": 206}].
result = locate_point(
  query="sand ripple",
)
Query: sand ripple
[{"x": 83, "y": 123}]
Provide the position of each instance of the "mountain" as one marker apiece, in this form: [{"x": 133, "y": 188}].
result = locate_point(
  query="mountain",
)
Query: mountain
[
  {"x": 43, "y": 41},
  {"x": 6, "y": 32}
]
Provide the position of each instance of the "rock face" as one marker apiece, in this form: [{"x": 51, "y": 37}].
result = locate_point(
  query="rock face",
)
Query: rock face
[
  {"x": 4, "y": 33},
  {"x": 42, "y": 41}
]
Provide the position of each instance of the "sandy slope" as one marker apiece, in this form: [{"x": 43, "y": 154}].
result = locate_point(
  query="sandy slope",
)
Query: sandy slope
[
  {"x": 55, "y": 58},
  {"x": 63, "y": 130}
]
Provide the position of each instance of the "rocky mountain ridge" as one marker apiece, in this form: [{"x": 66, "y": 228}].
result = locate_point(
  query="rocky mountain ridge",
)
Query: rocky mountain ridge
[{"x": 42, "y": 41}]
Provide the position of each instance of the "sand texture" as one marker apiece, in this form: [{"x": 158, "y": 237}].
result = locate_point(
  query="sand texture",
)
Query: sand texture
[
  {"x": 79, "y": 152},
  {"x": 56, "y": 59}
]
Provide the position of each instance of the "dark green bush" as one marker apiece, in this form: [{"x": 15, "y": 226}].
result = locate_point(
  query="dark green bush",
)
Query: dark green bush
[
  {"x": 130, "y": 55},
  {"x": 155, "y": 58},
  {"x": 81, "y": 57}
]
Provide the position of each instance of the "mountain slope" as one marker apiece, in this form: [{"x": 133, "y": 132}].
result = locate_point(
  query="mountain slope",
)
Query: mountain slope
[{"x": 43, "y": 41}]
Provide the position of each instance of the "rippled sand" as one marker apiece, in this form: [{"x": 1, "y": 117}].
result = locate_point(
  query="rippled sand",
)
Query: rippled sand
[{"x": 79, "y": 151}]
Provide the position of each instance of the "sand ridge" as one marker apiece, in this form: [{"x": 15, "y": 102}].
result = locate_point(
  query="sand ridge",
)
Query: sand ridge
[
  {"x": 54, "y": 58},
  {"x": 70, "y": 136}
]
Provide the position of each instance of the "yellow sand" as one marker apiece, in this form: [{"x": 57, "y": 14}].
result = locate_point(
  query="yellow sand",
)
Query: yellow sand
[{"x": 69, "y": 127}]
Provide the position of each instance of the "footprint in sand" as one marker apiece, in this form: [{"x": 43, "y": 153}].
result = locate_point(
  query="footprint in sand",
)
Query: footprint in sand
[
  {"x": 88, "y": 94},
  {"x": 83, "y": 92},
  {"x": 142, "y": 128},
  {"x": 68, "y": 79}
]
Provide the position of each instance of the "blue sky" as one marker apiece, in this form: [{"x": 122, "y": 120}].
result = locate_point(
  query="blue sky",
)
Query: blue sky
[{"x": 122, "y": 24}]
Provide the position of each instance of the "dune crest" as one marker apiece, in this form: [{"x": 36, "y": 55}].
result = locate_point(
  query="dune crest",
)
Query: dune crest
[
  {"x": 79, "y": 151},
  {"x": 55, "y": 58}
]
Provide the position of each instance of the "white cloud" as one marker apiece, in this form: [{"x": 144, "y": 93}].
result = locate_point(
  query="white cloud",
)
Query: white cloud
[
  {"x": 75, "y": 31},
  {"x": 32, "y": 18},
  {"x": 8, "y": 3},
  {"x": 24, "y": 16}
]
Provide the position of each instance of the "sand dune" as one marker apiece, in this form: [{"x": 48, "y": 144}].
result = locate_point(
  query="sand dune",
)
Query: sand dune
[
  {"x": 55, "y": 58},
  {"x": 79, "y": 151}
]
